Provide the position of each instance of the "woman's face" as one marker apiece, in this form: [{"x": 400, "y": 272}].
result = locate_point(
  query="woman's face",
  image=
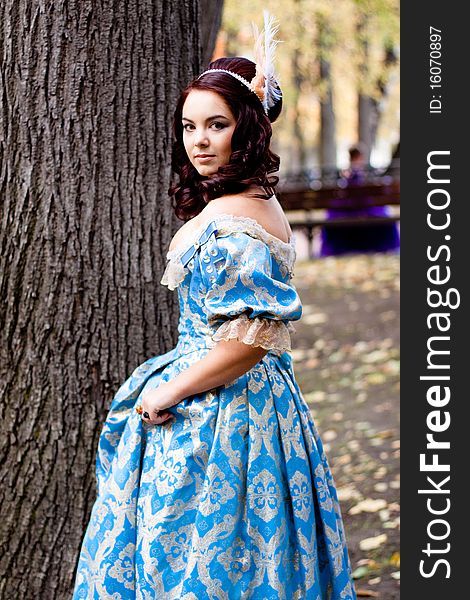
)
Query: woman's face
[{"x": 208, "y": 126}]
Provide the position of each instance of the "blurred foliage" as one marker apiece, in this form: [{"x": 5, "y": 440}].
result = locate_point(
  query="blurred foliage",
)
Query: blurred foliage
[{"x": 361, "y": 35}]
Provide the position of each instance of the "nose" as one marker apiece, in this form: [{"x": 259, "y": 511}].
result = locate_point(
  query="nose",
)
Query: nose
[{"x": 201, "y": 140}]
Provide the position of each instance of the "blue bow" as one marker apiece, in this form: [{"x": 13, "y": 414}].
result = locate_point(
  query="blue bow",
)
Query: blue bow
[
  {"x": 204, "y": 269},
  {"x": 191, "y": 251}
]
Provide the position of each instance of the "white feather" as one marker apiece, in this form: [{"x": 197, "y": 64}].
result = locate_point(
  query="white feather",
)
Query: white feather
[{"x": 265, "y": 83}]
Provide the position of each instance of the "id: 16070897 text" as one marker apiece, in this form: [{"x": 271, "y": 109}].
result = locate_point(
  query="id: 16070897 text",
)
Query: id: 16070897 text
[{"x": 435, "y": 70}]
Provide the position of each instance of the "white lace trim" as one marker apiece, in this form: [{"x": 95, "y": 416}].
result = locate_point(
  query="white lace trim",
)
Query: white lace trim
[
  {"x": 283, "y": 252},
  {"x": 173, "y": 274},
  {"x": 267, "y": 333}
]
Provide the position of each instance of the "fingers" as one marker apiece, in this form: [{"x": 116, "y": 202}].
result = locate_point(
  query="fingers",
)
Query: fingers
[
  {"x": 161, "y": 416},
  {"x": 149, "y": 409},
  {"x": 157, "y": 417}
]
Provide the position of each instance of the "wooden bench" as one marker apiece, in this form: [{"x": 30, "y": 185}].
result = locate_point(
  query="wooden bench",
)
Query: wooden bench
[{"x": 312, "y": 204}]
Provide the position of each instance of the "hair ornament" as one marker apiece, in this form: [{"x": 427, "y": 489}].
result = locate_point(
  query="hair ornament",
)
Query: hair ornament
[{"x": 265, "y": 82}]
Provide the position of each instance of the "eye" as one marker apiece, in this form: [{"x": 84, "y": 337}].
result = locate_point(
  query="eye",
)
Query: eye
[
  {"x": 217, "y": 125},
  {"x": 188, "y": 126}
]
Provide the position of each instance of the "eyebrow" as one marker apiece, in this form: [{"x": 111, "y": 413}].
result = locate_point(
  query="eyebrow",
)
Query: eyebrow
[{"x": 208, "y": 119}]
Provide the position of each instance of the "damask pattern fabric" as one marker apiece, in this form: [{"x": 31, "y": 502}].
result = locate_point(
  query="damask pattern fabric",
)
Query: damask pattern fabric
[{"x": 235, "y": 498}]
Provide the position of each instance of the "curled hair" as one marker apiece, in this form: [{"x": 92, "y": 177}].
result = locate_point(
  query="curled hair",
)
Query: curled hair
[{"x": 251, "y": 161}]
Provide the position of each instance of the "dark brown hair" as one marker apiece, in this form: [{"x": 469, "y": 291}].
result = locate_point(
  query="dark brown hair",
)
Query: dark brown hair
[{"x": 251, "y": 161}]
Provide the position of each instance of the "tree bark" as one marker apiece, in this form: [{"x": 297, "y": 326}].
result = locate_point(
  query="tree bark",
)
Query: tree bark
[
  {"x": 299, "y": 137},
  {"x": 369, "y": 107},
  {"x": 327, "y": 113},
  {"x": 210, "y": 19},
  {"x": 87, "y": 95},
  {"x": 367, "y": 123}
]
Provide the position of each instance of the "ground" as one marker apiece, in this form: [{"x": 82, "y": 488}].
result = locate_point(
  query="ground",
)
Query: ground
[{"x": 346, "y": 361}]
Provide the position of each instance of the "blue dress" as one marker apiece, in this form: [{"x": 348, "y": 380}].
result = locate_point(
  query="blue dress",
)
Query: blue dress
[{"x": 234, "y": 499}]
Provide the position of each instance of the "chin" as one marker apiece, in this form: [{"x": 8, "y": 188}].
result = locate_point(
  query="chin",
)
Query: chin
[{"x": 206, "y": 172}]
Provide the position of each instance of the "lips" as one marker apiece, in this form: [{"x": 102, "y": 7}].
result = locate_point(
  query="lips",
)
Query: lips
[{"x": 204, "y": 158}]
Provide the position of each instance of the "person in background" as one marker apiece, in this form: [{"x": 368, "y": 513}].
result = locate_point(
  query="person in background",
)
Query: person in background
[{"x": 347, "y": 239}]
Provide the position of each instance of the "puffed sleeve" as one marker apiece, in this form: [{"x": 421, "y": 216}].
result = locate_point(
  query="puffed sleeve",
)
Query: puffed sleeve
[{"x": 247, "y": 297}]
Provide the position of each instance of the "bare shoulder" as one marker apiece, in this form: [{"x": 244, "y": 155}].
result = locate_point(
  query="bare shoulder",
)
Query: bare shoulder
[
  {"x": 268, "y": 213},
  {"x": 184, "y": 232}
]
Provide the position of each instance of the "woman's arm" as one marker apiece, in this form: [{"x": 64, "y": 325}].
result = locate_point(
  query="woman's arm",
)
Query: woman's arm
[
  {"x": 224, "y": 363},
  {"x": 227, "y": 361}
]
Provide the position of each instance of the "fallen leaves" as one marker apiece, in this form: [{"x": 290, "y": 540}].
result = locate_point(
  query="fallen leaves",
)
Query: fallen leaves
[
  {"x": 382, "y": 486},
  {"x": 395, "y": 559},
  {"x": 381, "y": 472},
  {"x": 366, "y": 593},
  {"x": 373, "y": 542},
  {"x": 315, "y": 397},
  {"x": 315, "y": 319},
  {"x": 368, "y": 505},
  {"x": 329, "y": 435},
  {"x": 348, "y": 492},
  {"x": 375, "y": 378},
  {"x": 387, "y": 433},
  {"x": 360, "y": 572},
  {"x": 393, "y": 524},
  {"x": 376, "y": 356},
  {"x": 384, "y": 515},
  {"x": 372, "y": 273}
]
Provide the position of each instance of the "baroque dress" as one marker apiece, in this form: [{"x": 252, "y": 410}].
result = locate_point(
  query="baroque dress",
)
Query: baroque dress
[{"x": 234, "y": 499}]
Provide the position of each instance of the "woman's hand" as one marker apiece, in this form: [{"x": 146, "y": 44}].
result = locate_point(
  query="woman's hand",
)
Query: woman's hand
[{"x": 156, "y": 402}]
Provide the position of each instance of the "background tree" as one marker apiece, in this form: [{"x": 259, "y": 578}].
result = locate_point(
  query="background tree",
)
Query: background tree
[
  {"x": 335, "y": 93},
  {"x": 86, "y": 102},
  {"x": 211, "y": 19},
  {"x": 298, "y": 80},
  {"x": 377, "y": 25},
  {"x": 326, "y": 41}
]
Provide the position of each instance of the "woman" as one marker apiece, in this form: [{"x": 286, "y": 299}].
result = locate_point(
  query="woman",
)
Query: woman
[{"x": 212, "y": 480}]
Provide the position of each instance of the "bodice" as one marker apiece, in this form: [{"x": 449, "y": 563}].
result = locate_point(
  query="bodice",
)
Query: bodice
[{"x": 231, "y": 268}]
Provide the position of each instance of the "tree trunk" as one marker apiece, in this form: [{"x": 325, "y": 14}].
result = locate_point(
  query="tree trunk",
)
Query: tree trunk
[
  {"x": 327, "y": 114},
  {"x": 370, "y": 107},
  {"x": 366, "y": 110},
  {"x": 297, "y": 129},
  {"x": 210, "y": 19},
  {"x": 88, "y": 91},
  {"x": 367, "y": 123}
]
